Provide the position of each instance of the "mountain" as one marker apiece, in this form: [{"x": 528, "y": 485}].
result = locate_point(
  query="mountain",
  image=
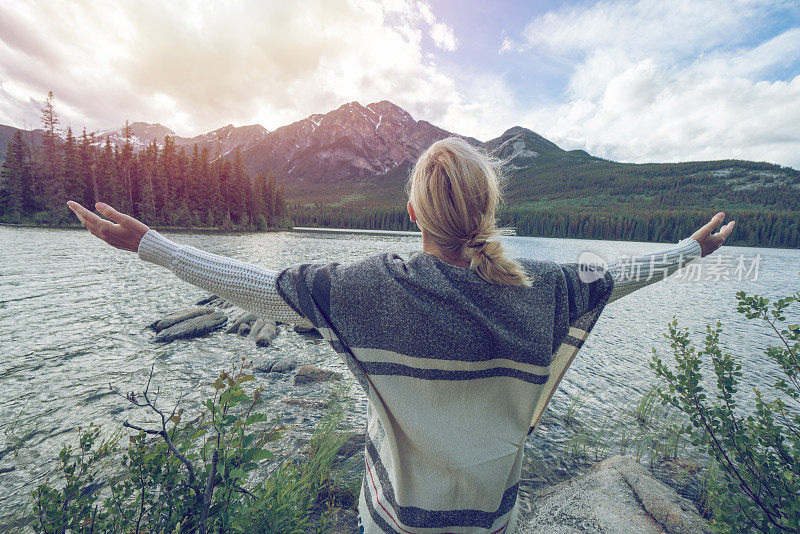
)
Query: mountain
[
  {"x": 142, "y": 134},
  {"x": 359, "y": 157},
  {"x": 226, "y": 139},
  {"x": 34, "y": 137},
  {"x": 352, "y": 143}
]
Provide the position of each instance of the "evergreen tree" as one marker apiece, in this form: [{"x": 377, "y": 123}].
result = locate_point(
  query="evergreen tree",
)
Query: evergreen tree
[
  {"x": 169, "y": 177},
  {"x": 106, "y": 186},
  {"x": 280, "y": 202},
  {"x": 71, "y": 186},
  {"x": 50, "y": 139},
  {"x": 270, "y": 191},
  {"x": 87, "y": 154},
  {"x": 50, "y": 155},
  {"x": 150, "y": 190},
  {"x": 16, "y": 194},
  {"x": 240, "y": 188},
  {"x": 125, "y": 184},
  {"x": 257, "y": 205},
  {"x": 195, "y": 180}
]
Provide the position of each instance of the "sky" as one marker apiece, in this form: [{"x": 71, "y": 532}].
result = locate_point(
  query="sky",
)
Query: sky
[{"x": 629, "y": 80}]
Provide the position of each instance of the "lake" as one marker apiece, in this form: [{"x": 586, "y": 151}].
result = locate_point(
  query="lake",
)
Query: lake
[{"x": 74, "y": 312}]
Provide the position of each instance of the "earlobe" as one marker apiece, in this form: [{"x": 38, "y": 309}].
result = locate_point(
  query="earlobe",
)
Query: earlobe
[{"x": 411, "y": 213}]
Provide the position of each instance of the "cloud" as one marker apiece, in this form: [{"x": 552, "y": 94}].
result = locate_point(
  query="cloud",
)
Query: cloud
[
  {"x": 195, "y": 69},
  {"x": 443, "y": 36},
  {"x": 669, "y": 81},
  {"x": 509, "y": 45},
  {"x": 643, "y": 80}
]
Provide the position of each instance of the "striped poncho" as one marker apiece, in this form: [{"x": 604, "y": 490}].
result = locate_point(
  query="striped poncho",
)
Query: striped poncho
[{"x": 457, "y": 372}]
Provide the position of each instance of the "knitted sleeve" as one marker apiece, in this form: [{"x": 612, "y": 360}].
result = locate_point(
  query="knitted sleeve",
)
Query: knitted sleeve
[
  {"x": 243, "y": 284},
  {"x": 634, "y": 273}
]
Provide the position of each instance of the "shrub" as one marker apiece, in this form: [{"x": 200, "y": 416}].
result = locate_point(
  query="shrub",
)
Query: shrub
[
  {"x": 191, "y": 475},
  {"x": 757, "y": 451},
  {"x": 42, "y": 218}
]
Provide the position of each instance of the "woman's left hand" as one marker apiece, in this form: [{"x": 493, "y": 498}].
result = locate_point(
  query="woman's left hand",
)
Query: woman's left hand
[
  {"x": 710, "y": 242},
  {"x": 125, "y": 234}
]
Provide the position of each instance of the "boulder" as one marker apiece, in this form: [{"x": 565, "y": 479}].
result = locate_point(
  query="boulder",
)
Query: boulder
[
  {"x": 304, "y": 328},
  {"x": 244, "y": 329},
  {"x": 179, "y": 316},
  {"x": 283, "y": 365},
  {"x": 306, "y": 403},
  {"x": 280, "y": 365},
  {"x": 256, "y": 326},
  {"x": 352, "y": 445},
  {"x": 617, "y": 496},
  {"x": 247, "y": 318},
  {"x": 309, "y": 374},
  {"x": 194, "y": 327},
  {"x": 267, "y": 333}
]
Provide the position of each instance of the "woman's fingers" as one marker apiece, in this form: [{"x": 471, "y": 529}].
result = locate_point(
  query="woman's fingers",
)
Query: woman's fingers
[
  {"x": 713, "y": 223},
  {"x": 726, "y": 230},
  {"x": 98, "y": 226},
  {"x": 125, "y": 221},
  {"x": 87, "y": 218},
  {"x": 710, "y": 242},
  {"x": 126, "y": 235},
  {"x": 113, "y": 214}
]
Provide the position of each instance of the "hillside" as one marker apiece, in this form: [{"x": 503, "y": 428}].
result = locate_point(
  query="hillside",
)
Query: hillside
[{"x": 348, "y": 167}]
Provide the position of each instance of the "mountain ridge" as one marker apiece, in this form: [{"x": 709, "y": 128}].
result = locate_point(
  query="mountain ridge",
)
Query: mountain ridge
[{"x": 361, "y": 155}]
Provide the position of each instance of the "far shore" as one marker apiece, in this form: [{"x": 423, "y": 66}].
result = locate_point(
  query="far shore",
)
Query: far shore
[
  {"x": 176, "y": 229},
  {"x": 216, "y": 230}
]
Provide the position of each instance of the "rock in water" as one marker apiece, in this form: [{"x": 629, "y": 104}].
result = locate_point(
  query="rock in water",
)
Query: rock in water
[
  {"x": 257, "y": 326},
  {"x": 179, "y": 316},
  {"x": 306, "y": 403},
  {"x": 194, "y": 327},
  {"x": 304, "y": 328},
  {"x": 267, "y": 333},
  {"x": 244, "y": 329},
  {"x": 247, "y": 318},
  {"x": 308, "y": 374},
  {"x": 617, "y": 497},
  {"x": 282, "y": 365},
  {"x": 352, "y": 445}
]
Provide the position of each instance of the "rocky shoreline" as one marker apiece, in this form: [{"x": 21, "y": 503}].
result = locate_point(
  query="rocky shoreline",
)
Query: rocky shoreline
[{"x": 618, "y": 495}]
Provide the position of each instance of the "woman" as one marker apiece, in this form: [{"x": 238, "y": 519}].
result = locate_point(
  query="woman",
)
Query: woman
[{"x": 458, "y": 347}]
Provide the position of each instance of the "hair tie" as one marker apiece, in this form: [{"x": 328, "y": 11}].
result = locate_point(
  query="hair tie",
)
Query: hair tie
[{"x": 472, "y": 243}]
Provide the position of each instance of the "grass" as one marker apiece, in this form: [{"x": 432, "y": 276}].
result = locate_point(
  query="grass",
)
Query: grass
[
  {"x": 652, "y": 433},
  {"x": 645, "y": 429},
  {"x": 307, "y": 490},
  {"x": 18, "y": 432},
  {"x": 300, "y": 493}
]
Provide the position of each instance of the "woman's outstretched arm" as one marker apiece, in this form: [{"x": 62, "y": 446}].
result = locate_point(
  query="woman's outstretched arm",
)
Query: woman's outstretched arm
[
  {"x": 246, "y": 285},
  {"x": 640, "y": 271},
  {"x": 637, "y": 272}
]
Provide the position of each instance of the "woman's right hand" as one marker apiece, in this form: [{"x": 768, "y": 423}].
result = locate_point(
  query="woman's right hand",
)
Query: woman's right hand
[
  {"x": 708, "y": 242},
  {"x": 125, "y": 234}
]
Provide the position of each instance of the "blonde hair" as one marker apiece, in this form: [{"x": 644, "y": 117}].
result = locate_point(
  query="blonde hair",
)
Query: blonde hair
[{"x": 454, "y": 189}]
